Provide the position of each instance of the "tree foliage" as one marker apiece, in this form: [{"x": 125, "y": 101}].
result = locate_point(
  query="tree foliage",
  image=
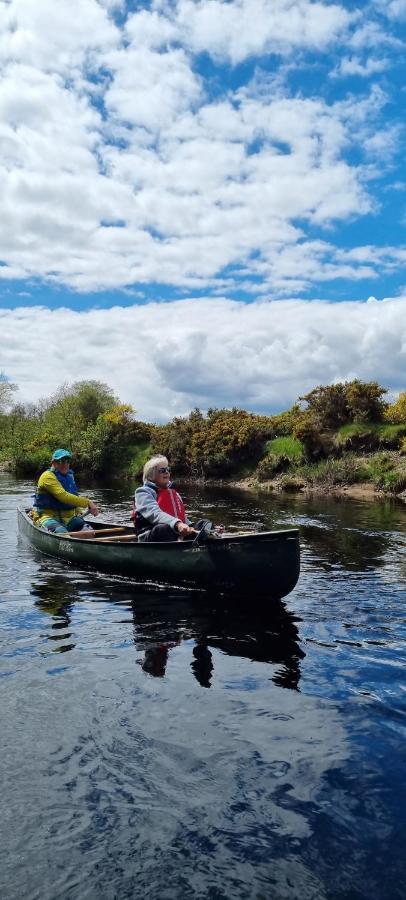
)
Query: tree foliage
[
  {"x": 396, "y": 412},
  {"x": 105, "y": 437},
  {"x": 7, "y": 389},
  {"x": 107, "y": 443},
  {"x": 72, "y": 409},
  {"x": 333, "y": 405},
  {"x": 216, "y": 444}
]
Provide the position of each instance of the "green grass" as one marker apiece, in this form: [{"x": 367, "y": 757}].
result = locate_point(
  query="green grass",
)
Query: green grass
[
  {"x": 369, "y": 435},
  {"x": 281, "y": 453},
  {"x": 386, "y": 473},
  {"x": 331, "y": 472},
  {"x": 289, "y": 447}
]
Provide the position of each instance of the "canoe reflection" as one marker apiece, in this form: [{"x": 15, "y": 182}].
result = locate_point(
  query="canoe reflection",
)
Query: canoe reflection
[
  {"x": 165, "y": 619},
  {"x": 268, "y": 637}
]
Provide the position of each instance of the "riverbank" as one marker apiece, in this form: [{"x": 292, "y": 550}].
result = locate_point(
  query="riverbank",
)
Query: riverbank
[
  {"x": 361, "y": 477},
  {"x": 362, "y": 491}
]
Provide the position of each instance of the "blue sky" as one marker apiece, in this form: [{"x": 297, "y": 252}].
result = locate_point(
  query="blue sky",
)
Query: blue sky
[{"x": 215, "y": 153}]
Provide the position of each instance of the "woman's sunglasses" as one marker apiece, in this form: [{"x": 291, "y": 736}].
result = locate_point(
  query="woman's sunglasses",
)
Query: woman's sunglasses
[{"x": 165, "y": 470}]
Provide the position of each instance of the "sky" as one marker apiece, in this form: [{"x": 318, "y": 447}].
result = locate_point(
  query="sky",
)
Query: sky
[{"x": 202, "y": 202}]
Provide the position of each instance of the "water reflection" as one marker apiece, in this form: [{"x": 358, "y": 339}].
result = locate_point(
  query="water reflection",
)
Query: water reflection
[
  {"x": 348, "y": 548},
  {"x": 55, "y": 596},
  {"x": 269, "y": 636},
  {"x": 354, "y": 535},
  {"x": 162, "y": 622}
]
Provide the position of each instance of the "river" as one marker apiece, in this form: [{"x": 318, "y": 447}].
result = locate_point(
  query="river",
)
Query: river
[{"x": 160, "y": 744}]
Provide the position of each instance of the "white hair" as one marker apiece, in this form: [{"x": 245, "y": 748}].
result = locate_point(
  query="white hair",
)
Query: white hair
[{"x": 151, "y": 466}]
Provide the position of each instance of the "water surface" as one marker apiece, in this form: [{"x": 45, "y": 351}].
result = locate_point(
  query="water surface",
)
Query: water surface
[{"x": 158, "y": 743}]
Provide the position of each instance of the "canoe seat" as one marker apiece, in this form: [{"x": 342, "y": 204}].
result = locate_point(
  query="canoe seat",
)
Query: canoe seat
[
  {"x": 87, "y": 533},
  {"x": 115, "y": 529}
]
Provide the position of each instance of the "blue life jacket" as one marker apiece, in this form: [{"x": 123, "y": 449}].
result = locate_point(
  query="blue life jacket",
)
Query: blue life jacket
[{"x": 43, "y": 500}]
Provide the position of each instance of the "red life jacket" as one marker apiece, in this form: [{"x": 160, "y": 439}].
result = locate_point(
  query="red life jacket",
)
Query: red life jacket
[{"x": 169, "y": 501}]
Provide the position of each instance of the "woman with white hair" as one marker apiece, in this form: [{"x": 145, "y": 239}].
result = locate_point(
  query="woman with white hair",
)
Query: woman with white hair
[{"x": 159, "y": 513}]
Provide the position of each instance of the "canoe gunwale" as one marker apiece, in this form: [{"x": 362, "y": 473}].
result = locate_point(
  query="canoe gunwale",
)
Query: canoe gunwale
[{"x": 170, "y": 545}]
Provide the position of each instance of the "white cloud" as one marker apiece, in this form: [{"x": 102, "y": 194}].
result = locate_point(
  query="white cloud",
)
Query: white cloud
[
  {"x": 396, "y": 9},
  {"x": 353, "y": 65},
  {"x": 54, "y": 36},
  {"x": 371, "y": 34},
  {"x": 182, "y": 215},
  {"x": 149, "y": 89},
  {"x": 120, "y": 167},
  {"x": 167, "y": 358},
  {"x": 251, "y": 27}
]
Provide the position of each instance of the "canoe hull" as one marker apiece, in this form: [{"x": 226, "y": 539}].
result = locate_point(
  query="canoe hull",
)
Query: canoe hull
[{"x": 266, "y": 562}]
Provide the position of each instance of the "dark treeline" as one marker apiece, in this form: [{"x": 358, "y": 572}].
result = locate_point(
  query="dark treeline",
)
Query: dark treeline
[{"x": 334, "y": 434}]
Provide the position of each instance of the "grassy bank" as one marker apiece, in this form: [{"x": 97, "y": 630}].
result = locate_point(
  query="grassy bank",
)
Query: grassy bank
[{"x": 369, "y": 474}]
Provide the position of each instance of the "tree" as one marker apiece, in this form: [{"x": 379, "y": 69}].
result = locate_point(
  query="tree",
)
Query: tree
[
  {"x": 7, "y": 389},
  {"x": 364, "y": 400},
  {"x": 219, "y": 443},
  {"x": 93, "y": 398},
  {"x": 73, "y": 409},
  {"x": 327, "y": 406},
  {"x": 308, "y": 432},
  {"x": 106, "y": 444},
  {"x": 334, "y": 405}
]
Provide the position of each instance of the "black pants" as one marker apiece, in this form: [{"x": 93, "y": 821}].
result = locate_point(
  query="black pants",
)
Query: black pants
[
  {"x": 163, "y": 533},
  {"x": 158, "y": 533}
]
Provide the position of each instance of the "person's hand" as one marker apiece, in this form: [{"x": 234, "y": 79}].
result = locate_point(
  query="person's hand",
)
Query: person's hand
[
  {"x": 184, "y": 530},
  {"x": 93, "y": 509}
]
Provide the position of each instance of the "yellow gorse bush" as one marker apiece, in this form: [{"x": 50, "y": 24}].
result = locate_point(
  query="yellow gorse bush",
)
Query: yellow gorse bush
[{"x": 396, "y": 412}]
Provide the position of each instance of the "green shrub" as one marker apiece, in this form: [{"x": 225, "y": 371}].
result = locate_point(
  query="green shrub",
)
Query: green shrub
[
  {"x": 307, "y": 431},
  {"x": 334, "y": 405},
  {"x": 283, "y": 423},
  {"x": 33, "y": 462},
  {"x": 331, "y": 472},
  {"x": 396, "y": 412},
  {"x": 218, "y": 444},
  {"x": 365, "y": 401},
  {"x": 386, "y": 475},
  {"x": 282, "y": 452},
  {"x": 271, "y": 465}
]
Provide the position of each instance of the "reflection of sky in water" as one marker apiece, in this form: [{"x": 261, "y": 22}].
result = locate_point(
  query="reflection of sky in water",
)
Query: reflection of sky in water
[{"x": 152, "y": 746}]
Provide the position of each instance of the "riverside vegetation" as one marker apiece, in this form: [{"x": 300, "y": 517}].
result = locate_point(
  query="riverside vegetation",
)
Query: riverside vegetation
[{"x": 333, "y": 437}]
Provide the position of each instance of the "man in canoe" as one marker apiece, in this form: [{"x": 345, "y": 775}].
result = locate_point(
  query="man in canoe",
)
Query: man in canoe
[
  {"x": 57, "y": 504},
  {"x": 159, "y": 513}
]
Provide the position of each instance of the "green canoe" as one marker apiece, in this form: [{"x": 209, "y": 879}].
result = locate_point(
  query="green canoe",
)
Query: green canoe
[{"x": 267, "y": 561}]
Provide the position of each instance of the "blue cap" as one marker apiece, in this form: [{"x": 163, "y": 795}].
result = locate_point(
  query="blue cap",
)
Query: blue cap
[{"x": 61, "y": 454}]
